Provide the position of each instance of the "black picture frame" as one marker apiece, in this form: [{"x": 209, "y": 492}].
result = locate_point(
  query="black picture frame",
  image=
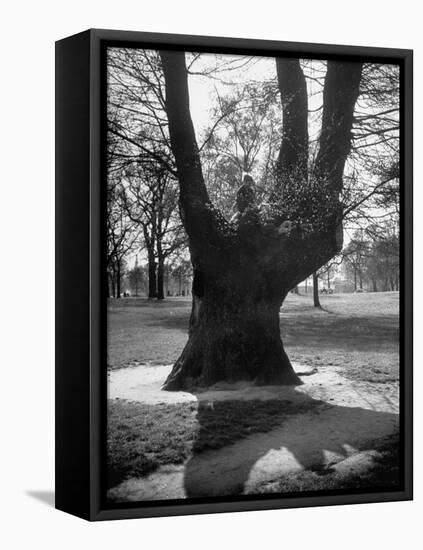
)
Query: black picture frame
[{"x": 80, "y": 285}]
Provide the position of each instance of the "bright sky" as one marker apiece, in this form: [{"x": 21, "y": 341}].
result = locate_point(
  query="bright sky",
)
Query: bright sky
[{"x": 203, "y": 90}]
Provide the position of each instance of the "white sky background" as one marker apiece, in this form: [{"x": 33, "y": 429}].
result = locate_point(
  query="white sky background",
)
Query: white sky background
[{"x": 203, "y": 90}]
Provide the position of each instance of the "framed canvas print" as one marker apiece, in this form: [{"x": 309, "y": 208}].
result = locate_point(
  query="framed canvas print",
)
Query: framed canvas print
[{"x": 234, "y": 282}]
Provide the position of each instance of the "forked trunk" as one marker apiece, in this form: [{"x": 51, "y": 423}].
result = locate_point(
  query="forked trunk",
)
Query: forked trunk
[{"x": 244, "y": 269}]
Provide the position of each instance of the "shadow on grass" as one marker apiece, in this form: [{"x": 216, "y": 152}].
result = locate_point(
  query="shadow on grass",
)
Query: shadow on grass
[
  {"x": 307, "y": 444},
  {"x": 326, "y": 330},
  {"x": 142, "y": 437},
  {"x": 229, "y": 447}
]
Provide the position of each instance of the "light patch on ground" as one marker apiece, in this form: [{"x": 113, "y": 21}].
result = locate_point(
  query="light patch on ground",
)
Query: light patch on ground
[
  {"x": 343, "y": 433},
  {"x": 143, "y": 383}
]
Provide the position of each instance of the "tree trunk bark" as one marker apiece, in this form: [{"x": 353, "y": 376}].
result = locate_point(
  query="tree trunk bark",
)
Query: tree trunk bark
[
  {"x": 160, "y": 279},
  {"x": 118, "y": 281},
  {"x": 234, "y": 335},
  {"x": 108, "y": 284},
  {"x": 374, "y": 282},
  {"x": 392, "y": 284},
  {"x": 152, "y": 274},
  {"x": 316, "y": 300},
  {"x": 113, "y": 280}
]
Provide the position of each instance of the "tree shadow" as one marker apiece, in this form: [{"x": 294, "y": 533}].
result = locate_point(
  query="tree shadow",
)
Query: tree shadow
[
  {"x": 313, "y": 438},
  {"x": 46, "y": 497}
]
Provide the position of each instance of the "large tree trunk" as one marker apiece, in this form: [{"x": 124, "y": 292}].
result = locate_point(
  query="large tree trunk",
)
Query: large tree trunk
[
  {"x": 244, "y": 270},
  {"x": 234, "y": 331}
]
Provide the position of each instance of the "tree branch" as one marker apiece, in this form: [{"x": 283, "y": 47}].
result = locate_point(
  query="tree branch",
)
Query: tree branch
[
  {"x": 293, "y": 155},
  {"x": 340, "y": 94}
]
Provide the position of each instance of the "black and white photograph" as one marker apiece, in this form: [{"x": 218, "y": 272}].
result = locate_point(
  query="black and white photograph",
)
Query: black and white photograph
[
  {"x": 253, "y": 275},
  {"x": 211, "y": 275}
]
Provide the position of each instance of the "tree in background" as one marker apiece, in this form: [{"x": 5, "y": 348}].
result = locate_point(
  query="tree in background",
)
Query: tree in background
[
  {"x": 136, "y": 278},
  {"x": 122, "y": 238},
  {"x": 243, "y": 139},
  {"x": 383, "y": 266},
  {"x": 181, "y": 271},
  {"x": 316, "y": 299},
  {"x": 356, "y": 257},
  {"x": 371, "y": 258},
  {"x": 151, "y": 203},
  {"x": 139, "y": 155}
]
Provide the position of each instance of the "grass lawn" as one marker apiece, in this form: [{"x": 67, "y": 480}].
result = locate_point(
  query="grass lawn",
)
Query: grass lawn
[
  {"x": 146, "y": 331},
  {"x": 143, "y": 437},
  {"x": 356, "y": 333}
]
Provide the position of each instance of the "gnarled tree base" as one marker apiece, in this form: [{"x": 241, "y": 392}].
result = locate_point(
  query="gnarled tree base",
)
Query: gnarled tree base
[{"x": 231, "y": 342}]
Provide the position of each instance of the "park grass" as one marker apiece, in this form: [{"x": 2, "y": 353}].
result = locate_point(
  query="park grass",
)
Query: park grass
[
  {"x": 141, "y": 437},
  {"x": 146, "y": 331},
  {"x": 356, "y": 333}
]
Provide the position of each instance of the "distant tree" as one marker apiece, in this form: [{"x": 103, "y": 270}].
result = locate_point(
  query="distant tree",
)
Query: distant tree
[
  {"x": 139, "y": 151},
  {"x": 181, "y": 270},
  {"x": 372, "y": 257},
  {"x": 383, "y": 262},
  {"x": 151, "y": 201},
  {"x": 316, "y": 299},
  {"x": 122, "y": 238},
  {"x": 324, "y": 273},
  {"x": 356, "y": 256},
  {"x": 243, "y": 139},
  {"x": 136, "y": 278}
]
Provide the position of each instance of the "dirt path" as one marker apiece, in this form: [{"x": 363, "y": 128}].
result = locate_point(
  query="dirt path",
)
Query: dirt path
[{"x": 343, "y": 433}]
